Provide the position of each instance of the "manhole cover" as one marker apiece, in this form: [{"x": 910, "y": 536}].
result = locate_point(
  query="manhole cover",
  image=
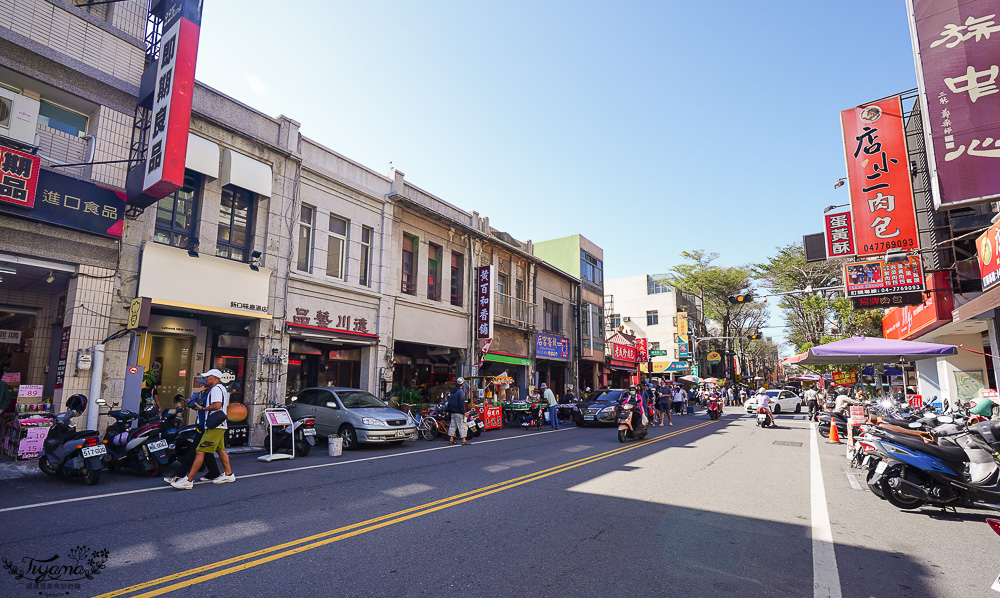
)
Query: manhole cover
[{"x": 786, "y": 443}]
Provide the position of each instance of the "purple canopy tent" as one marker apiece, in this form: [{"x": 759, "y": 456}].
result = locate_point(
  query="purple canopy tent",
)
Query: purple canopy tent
[{"x": 865, "y": 349}]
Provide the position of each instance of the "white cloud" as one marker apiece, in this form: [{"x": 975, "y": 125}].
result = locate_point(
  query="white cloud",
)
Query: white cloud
[{"x": 256, "y": 85}]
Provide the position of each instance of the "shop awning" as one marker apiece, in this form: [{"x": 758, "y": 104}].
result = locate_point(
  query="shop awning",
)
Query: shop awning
[
  {"x": 507, "y": 358},
  {"x": 346, "y": 337},
  {"x": 622, "y": 369}
]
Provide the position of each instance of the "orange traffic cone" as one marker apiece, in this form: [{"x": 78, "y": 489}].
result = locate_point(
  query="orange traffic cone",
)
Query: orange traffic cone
[{"x": 834, "y": 435}]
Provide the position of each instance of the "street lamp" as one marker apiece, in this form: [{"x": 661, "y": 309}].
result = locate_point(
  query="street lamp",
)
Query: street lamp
[{"x": 828, "y": 208}]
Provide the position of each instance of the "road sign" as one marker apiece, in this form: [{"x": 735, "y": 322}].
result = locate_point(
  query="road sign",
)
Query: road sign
[
  {"x": 138, "y": 313},
  {"x": 133, "y": 370},
  {"x": 657, "y": 353}
]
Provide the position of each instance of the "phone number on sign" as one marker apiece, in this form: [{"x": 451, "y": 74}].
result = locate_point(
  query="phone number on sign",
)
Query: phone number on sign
[{"x": 883, "y": 245}]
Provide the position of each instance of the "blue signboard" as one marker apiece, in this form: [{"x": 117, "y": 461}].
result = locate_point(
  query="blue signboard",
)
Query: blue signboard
[
  {"x": 550, "y": 346},
  {"x": 77, "y": 204},
  {"x": 683, "y": 348}
]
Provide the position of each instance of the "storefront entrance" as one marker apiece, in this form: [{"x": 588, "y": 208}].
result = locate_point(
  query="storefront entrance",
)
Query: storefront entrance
[{"x": 321, "y": 364}]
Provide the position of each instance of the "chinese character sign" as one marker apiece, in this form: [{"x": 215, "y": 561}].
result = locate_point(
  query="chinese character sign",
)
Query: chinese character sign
[
  {"x": 988, "y": 250},
  {"x": 173, "y": 90},
  {"x": 623, "y": 352},
  {"x": 878, "y": 278},
  {"x": 551, "y": 346},
  {"x": 641, "y": 353},
  {"x": 845, "y": 378},
  {"x": 958, "y": 73},
  {"x": 18, "y": 177},
  {"x": 483, "y": 309},
  {"x": 683, "y": 346},
  {"x": 839, "y": 235},
  {"x": 878, "y": 171}
]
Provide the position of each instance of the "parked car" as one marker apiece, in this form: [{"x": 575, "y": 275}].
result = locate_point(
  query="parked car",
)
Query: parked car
[
  {"x": 355, "y": 415},
  {"x": 781, "y": 400},
  {"x": 599, "y": 407}
]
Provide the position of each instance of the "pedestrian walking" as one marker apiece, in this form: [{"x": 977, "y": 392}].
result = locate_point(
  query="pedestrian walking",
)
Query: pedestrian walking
[
  {"x": 678, "y": 402},
  {"x": 213, "y": 440},
  {"x": 812, "y": 399},
  {"x": 550, "y": 398},
  {"x": 663, "y": 399},
  {"x": 647, "y": 397},
  {"x": 457, "y": 408}
]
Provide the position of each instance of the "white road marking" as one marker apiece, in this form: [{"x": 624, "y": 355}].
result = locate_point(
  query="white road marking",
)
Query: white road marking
[
  {"x": 826, "y": 577},
  {"x": 853, "y": 479},
  {"x": 408, "y": 490},
  {"x": 221, "y": 534},
  {"x": 264, "y": 473},
  {"x": 132, "y": 555},
  {"x": 517, "y": 462},
  {"x": 799, "y": 417},
  {"x": 577, "y": 448},
  {"x": 495, "y": 468}
]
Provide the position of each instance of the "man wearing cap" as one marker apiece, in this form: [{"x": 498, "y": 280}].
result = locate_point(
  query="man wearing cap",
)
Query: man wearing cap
[
  {"x": 550, "y": 398},
  {"x": 198, "y": 398},
  {"x": 214, "y": 439},
  {"x": 456, "y": 407}
]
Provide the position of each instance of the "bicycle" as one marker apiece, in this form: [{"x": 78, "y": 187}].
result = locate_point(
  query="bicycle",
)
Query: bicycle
[{"x": 432, "y": 423}]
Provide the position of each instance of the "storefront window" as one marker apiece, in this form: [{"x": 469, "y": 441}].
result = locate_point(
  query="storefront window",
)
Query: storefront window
[
  {"x": 434, "y": 272},
  {"x": 170, "y": 366},
  {"x": 177, "y": 213},
  {"x": 235, "y": 214},
  {"x": 17, "y": 334},
  {"x": 457, "y": 278}
]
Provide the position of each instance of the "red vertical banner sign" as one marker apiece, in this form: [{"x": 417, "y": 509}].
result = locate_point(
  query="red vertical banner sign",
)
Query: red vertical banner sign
[
  {"x": 878, "y": 172},
  {"x": 642, "y": 353},
  {"x": 18, "y": 177},
  {"x": 839, "y": 235},
  {"x": 170, "y": 119},
  {"x": 484, "y": 302}
]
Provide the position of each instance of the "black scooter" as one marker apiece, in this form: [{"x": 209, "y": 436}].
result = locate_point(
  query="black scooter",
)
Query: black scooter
[
  {"x": 69, "y": 453},
  {"x": 140, "y": 448}
]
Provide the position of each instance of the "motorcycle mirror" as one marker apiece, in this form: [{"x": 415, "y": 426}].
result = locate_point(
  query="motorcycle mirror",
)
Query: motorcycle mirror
[{"x": 915, "y": 425}]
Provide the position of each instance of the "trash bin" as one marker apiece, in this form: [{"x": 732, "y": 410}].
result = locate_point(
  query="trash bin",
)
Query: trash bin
[{"x": 336, "y": 445}]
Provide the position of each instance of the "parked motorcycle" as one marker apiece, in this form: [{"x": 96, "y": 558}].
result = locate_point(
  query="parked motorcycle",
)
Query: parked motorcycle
[
  {"x": 915, "y": 473},
  {"x": 69, "y": 453},
  {"x": 303, "y": 430},
  {"x": 714, "y": 408},
  {"x": 630, "y": 423},
  {"x": 474, "y": 424},
  {"x": 140, "y": 448},
  {"x": 764, "y": 418}
]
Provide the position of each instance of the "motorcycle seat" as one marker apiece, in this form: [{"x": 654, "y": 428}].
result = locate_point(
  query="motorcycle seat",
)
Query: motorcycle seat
[
  {"x": 83, "y": 434},
  {"x": 123, "y": 414},
  {"x": 945, "y": 453},
  {"x": 902, "y": 423}
]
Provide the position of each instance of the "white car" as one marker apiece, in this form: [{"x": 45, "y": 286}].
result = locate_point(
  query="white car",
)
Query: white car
[{"x": 781, "y": 400}]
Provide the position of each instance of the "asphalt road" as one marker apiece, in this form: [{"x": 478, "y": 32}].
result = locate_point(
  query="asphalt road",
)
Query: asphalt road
[{"x": 698, "y": 509}]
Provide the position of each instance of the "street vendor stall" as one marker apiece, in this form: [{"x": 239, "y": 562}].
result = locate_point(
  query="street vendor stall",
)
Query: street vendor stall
[
  {"x": 23, "y": 432},
  {"x": 488, "y": 395}
]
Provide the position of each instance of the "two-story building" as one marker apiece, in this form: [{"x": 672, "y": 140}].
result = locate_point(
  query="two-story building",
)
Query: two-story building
[{"x": 557, "y": 296}]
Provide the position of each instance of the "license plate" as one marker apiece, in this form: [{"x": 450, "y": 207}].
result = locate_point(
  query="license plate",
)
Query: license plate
[
  {"x": 94, "y": 451},
  {"x": 159, "y": 445},
  {"x": 400, "y": 433},
  {"x": 309, "y": 431},
  {"x": 588, "y": 417},
  {"x": 881, "y": 466}
]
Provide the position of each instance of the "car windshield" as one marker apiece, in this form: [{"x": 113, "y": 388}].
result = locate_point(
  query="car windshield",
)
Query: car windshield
[
  {"x": 358, "y": 399},
  {"x": 773, "y": 393},
  {"x": 606, "y": 395}
]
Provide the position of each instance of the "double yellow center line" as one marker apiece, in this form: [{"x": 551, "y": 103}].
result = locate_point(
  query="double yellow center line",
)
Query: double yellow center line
[{"x": 191, "y": 577}]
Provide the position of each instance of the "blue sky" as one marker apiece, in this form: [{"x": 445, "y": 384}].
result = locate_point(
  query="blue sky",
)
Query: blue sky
[{"x": 649, "y": 127}]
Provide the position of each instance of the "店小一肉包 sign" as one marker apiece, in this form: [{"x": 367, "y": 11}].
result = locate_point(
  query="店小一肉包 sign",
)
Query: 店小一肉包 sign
[{"x": 551, "y": 346}]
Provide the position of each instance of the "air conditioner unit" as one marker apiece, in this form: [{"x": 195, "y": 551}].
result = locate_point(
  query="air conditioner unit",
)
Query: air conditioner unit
[
  {"x": 18, "y": 116},
  {"x": 626, "y": 319}
]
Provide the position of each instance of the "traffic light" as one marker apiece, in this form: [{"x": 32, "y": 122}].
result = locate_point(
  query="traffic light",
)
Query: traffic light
[
  {"x": 741, "y": 298},
  {"x": 756, "y": 336}
]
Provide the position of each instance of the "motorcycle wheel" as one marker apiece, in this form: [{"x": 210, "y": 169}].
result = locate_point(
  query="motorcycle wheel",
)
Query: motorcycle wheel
[
  {"x": 622, "y": 434},
  {"x": 895, "y": 498},
  {"x": 154, "y": 470},
  {"x": 91, "y": 476},
  {"x": 477, "y": 432},
  {"x": 302, "y": 449},
  {"x": 643, "y": 434},
  {"x": 876, "y": 489},
  {"x": 46, "y": 467}
]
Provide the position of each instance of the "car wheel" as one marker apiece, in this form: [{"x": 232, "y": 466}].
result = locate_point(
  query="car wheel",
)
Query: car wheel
[
  {"x": 798, "y": 409},
  {"x": 349, "y": 436},
  {"x": 777, "y": 408}
]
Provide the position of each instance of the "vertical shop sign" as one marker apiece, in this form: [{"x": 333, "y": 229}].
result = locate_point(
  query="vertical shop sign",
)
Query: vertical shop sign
[
  {"x": 641, "y": 352},
  {"x": 839, "y": 235},
  {"x": 63, "y": 355},
  {"x": 484, "y": 302},
  {"x": 18, "y": 177},
  {"x": 956, "y": 45},
  {"x": 170, "y": 118},
  {"x": 878, "y": 172},
  {"x": 988, "y": 250},
  {"x": 683, "y": 346}
]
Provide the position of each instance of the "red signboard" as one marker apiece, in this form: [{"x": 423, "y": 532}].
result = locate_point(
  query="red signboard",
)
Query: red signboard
[
  {"x": 18, "y": 177},
  {"x": 839, "y": 235},
  {"x": 484, "y": 302},
  {"x": 641, "y": 353},
  {"x": 916, "y": 401},
  {"x": 988, "y": 250},
  {"x": 170, "y": 119},
  {"x": 491, "y": 416},
  {"x": 878, "y": 172},
  {"x": 907, "y": 323},
  {"x": 623, "y": 353}
]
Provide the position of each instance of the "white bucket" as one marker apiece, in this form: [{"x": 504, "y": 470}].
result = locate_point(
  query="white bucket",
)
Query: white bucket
[{"x": 336, "y": 445}]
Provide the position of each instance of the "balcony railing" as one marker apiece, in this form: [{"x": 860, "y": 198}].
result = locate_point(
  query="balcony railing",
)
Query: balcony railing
[{"x": 511, "y": 310}]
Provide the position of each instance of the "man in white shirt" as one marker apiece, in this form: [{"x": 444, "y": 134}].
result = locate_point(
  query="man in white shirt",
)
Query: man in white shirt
[
  {"x": 812, "y": 399},
  {"x": 214, "y": 438}
]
